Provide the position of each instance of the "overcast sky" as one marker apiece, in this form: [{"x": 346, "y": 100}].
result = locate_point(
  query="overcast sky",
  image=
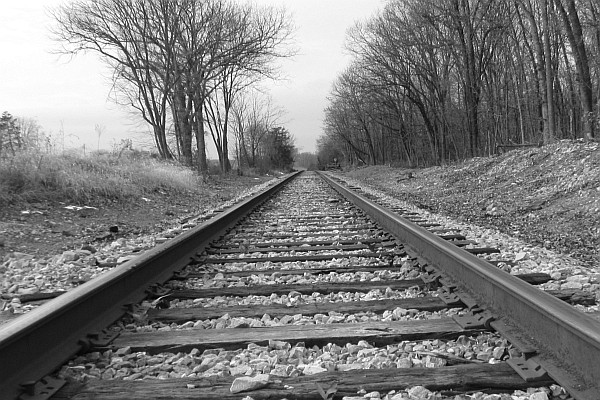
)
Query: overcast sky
[{"x": 71, "y": 95}]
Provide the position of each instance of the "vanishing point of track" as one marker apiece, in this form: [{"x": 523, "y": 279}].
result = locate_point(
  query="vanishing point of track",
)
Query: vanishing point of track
[{"x": 337, "y": 233}]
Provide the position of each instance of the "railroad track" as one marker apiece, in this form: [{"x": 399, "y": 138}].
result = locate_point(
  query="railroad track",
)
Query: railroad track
[{"x": 319, "y": 293}]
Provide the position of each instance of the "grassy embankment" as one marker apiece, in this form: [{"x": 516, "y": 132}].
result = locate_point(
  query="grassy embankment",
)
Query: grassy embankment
[{"x": 34, "y": 176}]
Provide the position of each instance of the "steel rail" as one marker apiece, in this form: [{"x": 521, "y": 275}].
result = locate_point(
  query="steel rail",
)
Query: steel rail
[
  {"x": 34, "y": 344},
  {"x": 568, "y": 341}
]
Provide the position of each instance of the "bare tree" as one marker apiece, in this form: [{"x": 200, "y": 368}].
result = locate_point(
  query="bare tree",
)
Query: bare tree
[
  {"x": 31, "y": 132},
  {"x": 11, "y": 136},
  {"x": 172, "y": 54},
  {"x": 549, "y": 133},
  {"x": 266, "y": 34},
  {"x": 99, "y": 128},
  {"x": 135, "y": 38},
  {"x": 574, "y": 33},
  {"x": 254, "y": 115},
  {"x": 409, "y": 59}
]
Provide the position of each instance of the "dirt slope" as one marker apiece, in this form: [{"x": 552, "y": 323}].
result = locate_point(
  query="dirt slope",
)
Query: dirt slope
[{"x": 549, "y": 196}]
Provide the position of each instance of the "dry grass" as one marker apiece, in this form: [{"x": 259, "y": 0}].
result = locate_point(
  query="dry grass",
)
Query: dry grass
[{"x": 33, "y": 176}]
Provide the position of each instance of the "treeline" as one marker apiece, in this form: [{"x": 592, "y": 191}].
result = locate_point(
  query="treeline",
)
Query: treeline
[
  {"x": 432, "y": 81},
  {"x": 187, "y": 66},
  {"x": 19, "y": 134}
]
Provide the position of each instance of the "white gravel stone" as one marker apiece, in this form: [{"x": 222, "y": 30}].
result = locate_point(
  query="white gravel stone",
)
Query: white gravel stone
[
  {"x": 313, "y": 369},
  {"x": 571, "y": 285},
  {"x": 419, "y": 393},
  {"x": 538, "y": 396},
  {"x": 349, "y": 367},
  {"x": 248, "y": 383}
]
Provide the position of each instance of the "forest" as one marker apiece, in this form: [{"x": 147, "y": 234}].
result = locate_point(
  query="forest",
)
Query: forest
[{"x": 435, "y": 81}]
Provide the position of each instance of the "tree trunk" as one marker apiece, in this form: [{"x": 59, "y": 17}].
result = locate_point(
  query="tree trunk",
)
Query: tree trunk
[
  {"x": 200, "y": 141},
  {"x": 550, "y": 132},
  {"x": 575, "y": 36},
  {"x": 471, "y": 89},
  {"x": 161, "y": 143},
  {"x": 183, "y": 128},
  {"x": 226, "y": 167},
  {"x": 538, "y": 65}
]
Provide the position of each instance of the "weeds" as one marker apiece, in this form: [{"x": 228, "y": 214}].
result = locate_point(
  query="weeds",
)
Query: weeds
[
  {"x": 329, "y": 393},
  {"x": 34, "y": 176}
]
